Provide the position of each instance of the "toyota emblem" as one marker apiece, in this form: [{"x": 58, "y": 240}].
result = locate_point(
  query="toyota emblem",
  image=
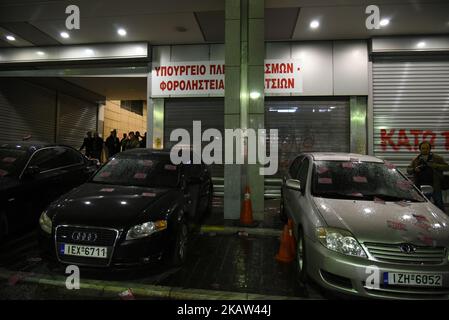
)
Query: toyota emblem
[{"x": 407, "y": 248}]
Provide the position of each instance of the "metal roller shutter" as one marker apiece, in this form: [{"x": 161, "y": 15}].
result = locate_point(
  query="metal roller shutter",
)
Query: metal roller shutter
[
  {"x": 76, "y": 117},
  {"x": 26, "y": 109},
  {"x": 181, "y": 114},
  {"x": 308, "y": 125},
  {"x": 410, "y": 105}
]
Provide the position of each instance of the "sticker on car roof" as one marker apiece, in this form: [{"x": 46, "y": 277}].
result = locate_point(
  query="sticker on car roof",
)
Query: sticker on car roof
[
  {"x": 396, "y": 225},
  {"x": 170, "y": 167},
  {"x": 404, "y": 185},
  {"x": 325, "y": 180},
  {"x": 107, "y": 190},
  {"x": 114, "y": 162},
  {"x": 402, "y": 203},
  {"x": 140, "y": 175},
  {"x": 356, "y": 194},
  {"x": 389, "y": 165},
  {"x": 379, "y": 200},
  {"x": 360, "y": 179},
  {"x": 9, "y": 159}
]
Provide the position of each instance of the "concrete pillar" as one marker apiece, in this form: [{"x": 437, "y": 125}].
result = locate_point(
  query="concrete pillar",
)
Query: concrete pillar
[
  {"x": 244, "y": 56},
  {"x": 358, "y": 110}
]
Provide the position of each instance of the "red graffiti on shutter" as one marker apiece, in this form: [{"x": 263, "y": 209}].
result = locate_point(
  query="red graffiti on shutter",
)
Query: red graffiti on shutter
[{"x": 386, "y": 139}]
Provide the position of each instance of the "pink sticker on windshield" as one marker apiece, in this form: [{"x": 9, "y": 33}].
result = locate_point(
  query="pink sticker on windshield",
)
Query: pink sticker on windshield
[
  {"x": 149, "y": 194},
  {"x": 9, "y": 159},
  {"x": 113, "y": 162},
  {"x": 360, "y": 179},
  {"x": 324, "y": 180},
  {"x": 170, "y": 167},
  {"x": 379, "y": 200},
  {"x": 140, "y": 175},
  {"x": 404, "y": 185},
  {"x": 105, "y": 174},
  {"x": 146, "y": 163},
  {"x": 3, "y": 173},
  {"x": 322, "y": 170},
  {"x": 347, "y": 165},
  {"x": 356, "y": 194},
  {"x": 107, "y": 190}
]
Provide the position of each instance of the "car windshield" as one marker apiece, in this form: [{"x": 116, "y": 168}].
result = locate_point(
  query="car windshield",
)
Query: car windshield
[
  {"x": 362, "y": 180},
  {"x": 12, "y": 161},
  {"x": 139, "y": 171}
]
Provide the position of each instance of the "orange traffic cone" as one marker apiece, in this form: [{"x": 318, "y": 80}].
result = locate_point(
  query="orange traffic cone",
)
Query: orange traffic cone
[
  {"x": 246, "y": 215},
  {"x": 285, "y": 254},
  {"x": 291, "y": 239}
]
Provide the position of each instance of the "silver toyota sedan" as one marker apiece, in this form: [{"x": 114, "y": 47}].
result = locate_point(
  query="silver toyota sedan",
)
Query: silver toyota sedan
[{"x": 363, "y": 228}]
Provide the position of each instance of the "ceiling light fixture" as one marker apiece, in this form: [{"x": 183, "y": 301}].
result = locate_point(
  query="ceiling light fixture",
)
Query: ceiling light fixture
[
  {"x": 314, "y": 24},
  {"x": 40, "y": 53},
  {"x": 384, "y": 22},
  {"x": 11, "y": 38},
  {"x": 122, "y": 32},
  {"x": 421, "y": 44},
  {"x": 89, "y": 51},
  {"x": 64, "y": 35}
]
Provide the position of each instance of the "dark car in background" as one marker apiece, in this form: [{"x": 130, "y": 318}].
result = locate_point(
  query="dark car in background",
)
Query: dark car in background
[
  {"x": 134, "y": 211},
  {"x": 32, "y": 175}
]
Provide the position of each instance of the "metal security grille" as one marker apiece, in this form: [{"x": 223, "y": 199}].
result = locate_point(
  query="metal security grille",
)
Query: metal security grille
[
  {"x": 26, "y": 109},
  {"x": 76, "y": 117},
  {"x": 410, "y": 104},
  {"x": 182, "y": 113},
  {"x": 308, "y": 125}
]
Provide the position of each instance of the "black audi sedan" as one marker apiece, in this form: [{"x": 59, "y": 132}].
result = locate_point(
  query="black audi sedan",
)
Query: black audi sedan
[
  {"x": 32, "y": 175},
  {"x": 133, "y": 212}
]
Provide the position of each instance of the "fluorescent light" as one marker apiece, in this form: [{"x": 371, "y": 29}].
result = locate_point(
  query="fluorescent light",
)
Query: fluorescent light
[
  {"x": 64, "y": 35},
  {"x": 254, "y": 95},
  {"x": 89, "y": 51},
  {"x": 11, "y": 38},
  {"x": 314, "y": 24},
  {"x": 40, "y": 53},
  {"x": 421, "y": 44},
  {"x": 122, "y": 32},
  {"x": 384, "y": 22}
]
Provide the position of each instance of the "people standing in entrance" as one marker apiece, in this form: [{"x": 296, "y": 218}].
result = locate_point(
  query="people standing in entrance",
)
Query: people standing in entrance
[
  {"x": 88, "y": 144},
  {"x": 143, "y": 142},
  {"x": 97, "y": 146},
  {"x": 123, "y": 142},
  {"x": 133, "y": 141},
  {"x": 113, "y": 144},
  {"x": 427, "y": 169}
]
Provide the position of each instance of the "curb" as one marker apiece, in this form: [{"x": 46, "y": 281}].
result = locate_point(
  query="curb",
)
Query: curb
[
  {"x": 233, "y": 230},
  {"x": 140, "y": 290}
]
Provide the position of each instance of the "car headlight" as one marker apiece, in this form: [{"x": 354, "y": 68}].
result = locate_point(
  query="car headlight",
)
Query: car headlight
[
  {"x": 340, "y": 241},
  {"x": 145, "y": 229},
  {"x": 45, "y": 222}
]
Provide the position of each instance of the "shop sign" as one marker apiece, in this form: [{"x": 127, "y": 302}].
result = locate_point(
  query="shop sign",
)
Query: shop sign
[
  {"x": 409, "y": 139},
  {"x": 198, "y": 78}
]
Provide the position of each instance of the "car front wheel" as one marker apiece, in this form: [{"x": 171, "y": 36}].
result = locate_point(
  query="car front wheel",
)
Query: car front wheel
[
  {"x": 180, "y": 244},
  {"x": 300, "y": 259}
]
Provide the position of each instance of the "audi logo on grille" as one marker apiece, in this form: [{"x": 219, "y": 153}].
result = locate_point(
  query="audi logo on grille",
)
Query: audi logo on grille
[
  {"x": 407, "y": 248},
  {"x": 84, "y": 236}
]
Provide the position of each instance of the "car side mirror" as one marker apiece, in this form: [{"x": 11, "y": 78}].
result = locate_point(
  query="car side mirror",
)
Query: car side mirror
[
  {"x": 293, "y": 184},
  {"x": 31, "y": 171},
  {"x": 426, "y": 189}
]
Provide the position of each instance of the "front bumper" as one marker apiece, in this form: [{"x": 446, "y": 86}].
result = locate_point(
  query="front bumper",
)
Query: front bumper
[
  {"x": 350, "y": 275},
  {"x": 123, "y": 254}
]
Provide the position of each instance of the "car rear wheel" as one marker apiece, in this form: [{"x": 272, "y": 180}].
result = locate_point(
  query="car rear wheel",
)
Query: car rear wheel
[
  {"x": 300, "y": 259},
  {"x": 180, "y": 245}
]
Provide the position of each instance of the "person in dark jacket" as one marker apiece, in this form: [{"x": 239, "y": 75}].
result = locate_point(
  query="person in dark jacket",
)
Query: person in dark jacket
[
  {"x": 113, "y": 144},
  {"x": 427, "y": 169},
  {"x": 88, "y": 144},
  {"x": 123, "y": 142},
  {"x": 143, "y": 142},
  {"x": 97, "y": 146}
]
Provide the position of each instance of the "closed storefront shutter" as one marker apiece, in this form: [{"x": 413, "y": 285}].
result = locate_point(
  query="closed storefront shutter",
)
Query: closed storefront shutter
[
  {"x": 308, "y": 125},
  {"x": 76, "y": 117},
  {"x": 181, "y": 114},
  {"x": 26, "y": 110},
  {"x": 410, "y": 105}
]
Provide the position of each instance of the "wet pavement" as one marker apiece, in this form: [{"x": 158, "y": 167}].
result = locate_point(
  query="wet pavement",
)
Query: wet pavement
[{"x": 235, "y": 262}]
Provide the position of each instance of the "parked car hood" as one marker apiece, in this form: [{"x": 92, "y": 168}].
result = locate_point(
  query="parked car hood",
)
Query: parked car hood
[
  {"x": 420, "y": 223},
  {"x": 106, "y": 205}
]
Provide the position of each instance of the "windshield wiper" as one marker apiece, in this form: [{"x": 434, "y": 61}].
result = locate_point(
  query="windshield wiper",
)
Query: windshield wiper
[
  {"x": 389, "y": 197},
  {"x": 337, "y": 195}
]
